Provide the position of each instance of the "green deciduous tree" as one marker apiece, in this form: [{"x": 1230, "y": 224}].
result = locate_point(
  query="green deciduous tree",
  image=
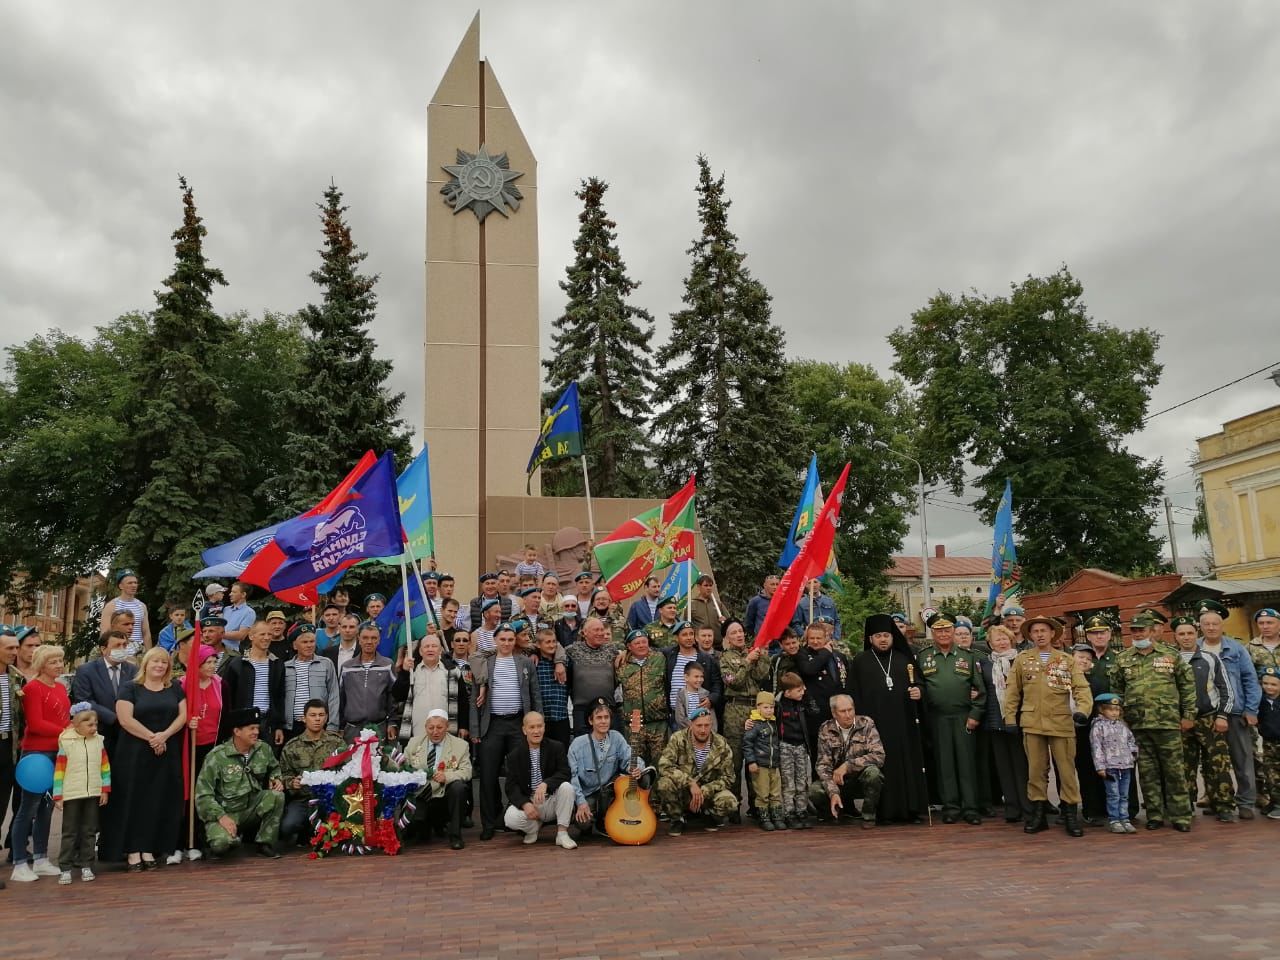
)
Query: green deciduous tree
[
  {"x": 602, "y": 341},
  {"x": 723, "y": 410},
  {"x": 1028, "y": 386},
  {"x": 340, "y": 406},
  {"x": 191, "y": 493},
  {"x": 64, "y": 408},
  {"x": 842, "y": 411}
]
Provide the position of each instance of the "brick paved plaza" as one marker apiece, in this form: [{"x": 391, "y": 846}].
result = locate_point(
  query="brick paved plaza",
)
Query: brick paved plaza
[{"x": 837, "y": 892}]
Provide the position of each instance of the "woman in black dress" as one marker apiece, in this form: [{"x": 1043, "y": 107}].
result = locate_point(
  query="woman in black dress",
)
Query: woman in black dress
[{"x": 146, "y": 775}]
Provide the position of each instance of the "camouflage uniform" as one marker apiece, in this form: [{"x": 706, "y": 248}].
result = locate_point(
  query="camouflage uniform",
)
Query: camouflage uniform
[
  {"x": 616, "y": 621},
  {"x": 742, "y": 682},
  {"x": 238, "y": 787},
  {"x": 301, "y": 755},
  {"x": 864, "y": 754},
  {"x": 1205, "y": 750},
  {"x": 1261, "y": 656},
  {"x": 678, "y": 768},
  {"x": 660, "y": 635},
  {"x": 644, "y": 688},
  {"x": 1158, "y": 690}
]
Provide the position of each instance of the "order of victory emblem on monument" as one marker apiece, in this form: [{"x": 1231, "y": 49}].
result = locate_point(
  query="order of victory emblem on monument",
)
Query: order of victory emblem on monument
[{"x": 482, "y": 182}]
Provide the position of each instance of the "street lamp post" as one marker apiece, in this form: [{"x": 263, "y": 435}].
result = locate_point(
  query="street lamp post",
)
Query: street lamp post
[{"x": 924, "y": 526}]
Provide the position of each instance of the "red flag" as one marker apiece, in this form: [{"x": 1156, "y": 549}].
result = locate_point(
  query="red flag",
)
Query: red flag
[
  {"x": 810, "y": 562},
  {"x": 191, "y": 687},
  {"x": 269, "y": 559}
]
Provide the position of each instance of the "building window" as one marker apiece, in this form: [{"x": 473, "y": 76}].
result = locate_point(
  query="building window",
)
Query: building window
[
  {"x": 54, "y": 604},
  {"x": 39, "y": 603}
]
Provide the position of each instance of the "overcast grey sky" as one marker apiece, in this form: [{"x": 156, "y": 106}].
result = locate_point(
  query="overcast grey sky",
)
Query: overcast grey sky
[{"x": 875, "y": 152}]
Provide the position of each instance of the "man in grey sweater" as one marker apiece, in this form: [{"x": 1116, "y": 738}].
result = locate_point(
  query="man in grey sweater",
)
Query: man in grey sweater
[{"x": 591, "y": 675}]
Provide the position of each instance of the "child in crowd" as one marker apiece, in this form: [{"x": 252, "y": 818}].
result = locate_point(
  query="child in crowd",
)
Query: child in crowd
[
  {"x": 693, "y": 697},
  {"x": 81, "y": 783},
  {"x": 1269, "y": 729},
  {"x": 177, "y": 623},
  {"x": 530, "y": 565},
  {"x": 1114, "y": 752},
  {"x": 793, "y": 736},
  {"x": 763, "y": 754}
]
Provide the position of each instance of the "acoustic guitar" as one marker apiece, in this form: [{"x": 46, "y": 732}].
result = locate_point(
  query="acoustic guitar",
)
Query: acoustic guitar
[{"x": 630, "y": 819}]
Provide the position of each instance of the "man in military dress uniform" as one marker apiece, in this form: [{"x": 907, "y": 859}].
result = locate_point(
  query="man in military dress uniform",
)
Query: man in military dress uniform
[
  {"x": 1159, "y": 694},
  {"x": 955, "y": 697},
  {"x": 1045, "y": 695},
  {"x": 240, "y": 786}
]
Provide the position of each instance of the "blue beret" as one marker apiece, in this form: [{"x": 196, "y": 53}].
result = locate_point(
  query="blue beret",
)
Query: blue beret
[{"x": 1267, "y": 612}]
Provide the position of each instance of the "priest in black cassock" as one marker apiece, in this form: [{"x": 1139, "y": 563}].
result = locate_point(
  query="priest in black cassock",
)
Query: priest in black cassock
[{"x": 886, "y": 687}]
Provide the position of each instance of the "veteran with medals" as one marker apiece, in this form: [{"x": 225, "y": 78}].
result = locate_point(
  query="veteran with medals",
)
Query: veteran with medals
[
  {"x": 955, "y": 697},
  {"x": 1045, "y": 694}
]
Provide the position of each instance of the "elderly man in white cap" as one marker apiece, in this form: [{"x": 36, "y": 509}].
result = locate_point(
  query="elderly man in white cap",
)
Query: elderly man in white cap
[{"x": 446, "y": 760}]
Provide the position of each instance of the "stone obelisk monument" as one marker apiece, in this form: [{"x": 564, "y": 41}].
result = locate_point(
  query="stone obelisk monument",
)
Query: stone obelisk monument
[{"x": 482, "y": 363}]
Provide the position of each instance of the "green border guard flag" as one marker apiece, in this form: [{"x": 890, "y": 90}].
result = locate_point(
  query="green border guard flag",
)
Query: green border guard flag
[{"x": 561, "y": 434}]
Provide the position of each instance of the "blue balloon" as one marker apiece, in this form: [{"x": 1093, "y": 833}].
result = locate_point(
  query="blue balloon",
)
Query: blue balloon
[{"x": 34, "y": 773}]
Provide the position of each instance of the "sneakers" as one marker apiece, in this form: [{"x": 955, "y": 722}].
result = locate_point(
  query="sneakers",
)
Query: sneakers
[
  {"x": 676, "y": 828},
  {"x": 86, "y": 875},
  {"x": 564, "y": 840},
  {"x": 64, "y": 878},
  {"x": 194, "y": 854},
  {"x": 1245, "y": 813},
  {"x": 1118, "y": 827},
  {"x": 1274, "y": 813},
  {"x": 43, "y": 868},
  {"x": 22, "y": 873},
  {"x": 173, "y": 859},
  {"x": 531, "y": 836},
  {"x": 1129, "y": 827}
]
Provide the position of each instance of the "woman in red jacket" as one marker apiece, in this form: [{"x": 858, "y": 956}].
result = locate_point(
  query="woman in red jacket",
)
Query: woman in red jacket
[{"x": 46, "y": 708}]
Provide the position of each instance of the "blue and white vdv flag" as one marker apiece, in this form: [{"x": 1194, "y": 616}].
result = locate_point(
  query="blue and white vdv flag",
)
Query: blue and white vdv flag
[
  {"x": 806, "y": 512},
  {"x": 230, "y": 559}
]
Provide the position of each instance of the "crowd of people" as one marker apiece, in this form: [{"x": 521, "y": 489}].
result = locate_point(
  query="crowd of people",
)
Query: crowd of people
[{"x": 522, "y": 705}]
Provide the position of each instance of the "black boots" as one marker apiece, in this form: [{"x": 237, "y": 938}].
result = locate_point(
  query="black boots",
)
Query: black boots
[
  {"x": 1071, "y": 817},
  {"x": 1036, "y": 822}
]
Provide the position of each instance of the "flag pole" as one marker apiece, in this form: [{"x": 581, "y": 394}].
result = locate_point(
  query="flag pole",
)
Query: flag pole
[
  {"x": 586, "y": 485},
  {"x": 192, "y": 656},
  {"x": 408, "y": 619},
  {"x": 422, "y": 592}
]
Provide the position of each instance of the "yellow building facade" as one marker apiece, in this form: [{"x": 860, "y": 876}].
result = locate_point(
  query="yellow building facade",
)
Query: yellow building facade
[{"x": 1239, "y": 468}]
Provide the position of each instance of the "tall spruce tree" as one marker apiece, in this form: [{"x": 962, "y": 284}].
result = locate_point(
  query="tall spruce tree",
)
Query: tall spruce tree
[
  {"x": 190, "y": 495},
  {"x": 720, "y": 390},
  {"x": 341, "y": 406},
  {"x": 602, "y": 341}
]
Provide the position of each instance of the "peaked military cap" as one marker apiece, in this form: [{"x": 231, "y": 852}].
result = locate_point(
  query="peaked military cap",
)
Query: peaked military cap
[{"x": 1209, "y": 605}]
